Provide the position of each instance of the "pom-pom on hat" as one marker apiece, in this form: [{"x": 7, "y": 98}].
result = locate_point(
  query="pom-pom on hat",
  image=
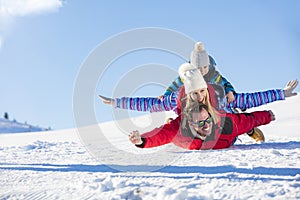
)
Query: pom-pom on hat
[
  {"x": 199, "y": 57},
  {"x": 191, "y": 77}
]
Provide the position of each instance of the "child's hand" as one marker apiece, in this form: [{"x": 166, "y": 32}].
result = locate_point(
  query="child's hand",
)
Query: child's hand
[{"x": 230, "y": 97}]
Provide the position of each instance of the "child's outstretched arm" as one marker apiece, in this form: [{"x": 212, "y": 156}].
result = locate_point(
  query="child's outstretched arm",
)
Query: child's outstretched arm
[
  {"x": 229, "y": 90},
  {"x": 174, "y": 87},
  {"x": 217, "y": 78}
]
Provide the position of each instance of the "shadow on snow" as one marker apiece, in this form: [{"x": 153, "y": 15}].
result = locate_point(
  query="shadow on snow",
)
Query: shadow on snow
[
  {"x": 200, "y": 170},
  {"x": 268, "y": 145}
]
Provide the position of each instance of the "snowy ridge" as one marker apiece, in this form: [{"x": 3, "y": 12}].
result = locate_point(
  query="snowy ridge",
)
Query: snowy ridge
[
  {"x": 7, "y": 126},
  {"x": 57, "y": 165}
]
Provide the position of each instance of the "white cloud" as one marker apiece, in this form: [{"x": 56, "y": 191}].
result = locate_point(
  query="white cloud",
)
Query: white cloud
[
  {"x": 25, "y": 7},
  {"x": 9, "y": 9}
]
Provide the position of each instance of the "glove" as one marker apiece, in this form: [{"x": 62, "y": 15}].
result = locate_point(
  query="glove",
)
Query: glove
[
  {"x": 290, "y": 86},
  {"x": 272, "y": 115}
]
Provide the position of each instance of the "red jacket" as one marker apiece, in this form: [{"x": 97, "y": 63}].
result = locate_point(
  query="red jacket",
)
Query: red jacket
[{"x": 223, "y": 133}]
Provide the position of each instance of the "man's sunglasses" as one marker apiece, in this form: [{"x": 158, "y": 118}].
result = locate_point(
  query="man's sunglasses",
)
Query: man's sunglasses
[{"x": 202, "y": 122}]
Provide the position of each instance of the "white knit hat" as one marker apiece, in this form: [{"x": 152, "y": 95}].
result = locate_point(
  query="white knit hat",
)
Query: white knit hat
[
  {"x": 199, "y": 56},
  {"x": 191, "y": 77}
]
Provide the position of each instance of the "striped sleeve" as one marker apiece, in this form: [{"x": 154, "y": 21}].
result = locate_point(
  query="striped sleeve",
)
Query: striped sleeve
[
  {"x": 147, "y": 104},
  {"x": 250, "y": 100},
  {"x": 166, "y": 103}
]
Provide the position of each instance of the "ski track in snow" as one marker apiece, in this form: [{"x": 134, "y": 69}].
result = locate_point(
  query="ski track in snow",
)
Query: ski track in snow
[{"x": 56, "y": 165}]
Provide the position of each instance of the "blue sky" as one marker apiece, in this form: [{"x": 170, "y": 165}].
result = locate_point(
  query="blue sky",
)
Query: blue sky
[{"x": 255, "y": 43}]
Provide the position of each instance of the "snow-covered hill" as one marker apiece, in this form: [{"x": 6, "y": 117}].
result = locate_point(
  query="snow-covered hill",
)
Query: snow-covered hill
[
  {"x": 61, "y": 164},
  {"x": 8, "y": 126}
]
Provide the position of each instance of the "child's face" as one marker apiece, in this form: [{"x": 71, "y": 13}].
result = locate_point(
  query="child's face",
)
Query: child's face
[{"x": 204, "y": 70}]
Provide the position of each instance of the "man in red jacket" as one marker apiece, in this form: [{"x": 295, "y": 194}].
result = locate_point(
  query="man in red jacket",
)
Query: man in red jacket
[{"x": 197, "y": 130}]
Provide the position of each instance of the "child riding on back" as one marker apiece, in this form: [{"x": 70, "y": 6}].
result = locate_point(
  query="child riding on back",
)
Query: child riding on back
[{"x": 200, "y": 59}]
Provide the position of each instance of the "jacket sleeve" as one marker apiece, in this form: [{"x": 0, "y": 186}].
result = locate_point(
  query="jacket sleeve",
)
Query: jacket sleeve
[
  {"x": 146, "y": 104},
  {"x": 250, "y": 100},
  {"x": 245, "y": 122},
  {"x": 217, "y": 78},
  {"x": 175, "y": 85},
  {"x": 160, "y": 136},
  {"x": 227, "y": 85}
]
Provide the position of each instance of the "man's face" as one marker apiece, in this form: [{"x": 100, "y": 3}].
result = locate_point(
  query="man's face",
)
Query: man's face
[{"x": 202, "y": 122}]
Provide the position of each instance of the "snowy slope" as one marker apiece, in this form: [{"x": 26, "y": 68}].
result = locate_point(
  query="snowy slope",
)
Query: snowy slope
[
  {"x": 61, "y": 165},
  {"x": 8, "y": 126}
]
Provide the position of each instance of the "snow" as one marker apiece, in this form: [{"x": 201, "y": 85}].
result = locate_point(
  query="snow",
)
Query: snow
[
  {"x": 7, "y": 126},
  {"x": 66, "y": 165}
]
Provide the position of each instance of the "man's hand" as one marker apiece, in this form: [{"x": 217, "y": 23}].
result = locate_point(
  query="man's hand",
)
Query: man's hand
[{"x": 135, "y": 138}]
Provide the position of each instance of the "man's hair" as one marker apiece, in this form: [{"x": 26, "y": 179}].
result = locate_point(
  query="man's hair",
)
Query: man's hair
[
  {"x": 191, "y": 103},
  {"x": 194, "y": 107}
]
